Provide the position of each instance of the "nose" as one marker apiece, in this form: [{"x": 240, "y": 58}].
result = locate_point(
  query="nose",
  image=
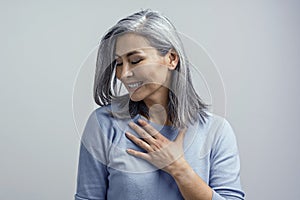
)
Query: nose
[{"x": 126, "y": 71}]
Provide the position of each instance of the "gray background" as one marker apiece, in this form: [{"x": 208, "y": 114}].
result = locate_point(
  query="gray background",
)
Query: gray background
[{"x": 255, "y": 44}]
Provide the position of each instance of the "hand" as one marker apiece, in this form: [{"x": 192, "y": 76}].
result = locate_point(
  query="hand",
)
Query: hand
[{"x": 161, "y": 152}]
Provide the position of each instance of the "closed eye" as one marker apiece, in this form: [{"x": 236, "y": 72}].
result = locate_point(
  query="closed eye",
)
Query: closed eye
[
  {"x": 133, "y": 62},
  {"x": 118, "y": 64},
  {"x": 136, "y": 62}
]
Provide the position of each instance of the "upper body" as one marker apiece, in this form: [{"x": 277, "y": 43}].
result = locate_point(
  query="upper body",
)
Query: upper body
[
  {"x": 106, "y": 171},
  {"x": 157, "y": 141}
]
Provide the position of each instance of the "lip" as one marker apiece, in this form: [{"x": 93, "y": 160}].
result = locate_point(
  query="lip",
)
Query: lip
[{"x": 133, "y": 85}]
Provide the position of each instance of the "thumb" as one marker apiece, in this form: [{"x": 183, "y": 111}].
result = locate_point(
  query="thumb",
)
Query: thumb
[{"x": 181, "y": 135}]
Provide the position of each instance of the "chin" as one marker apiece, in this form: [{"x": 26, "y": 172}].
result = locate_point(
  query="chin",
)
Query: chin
[
  {"x": 139, "y": 96},
  {"x": 136, "y": 98}
]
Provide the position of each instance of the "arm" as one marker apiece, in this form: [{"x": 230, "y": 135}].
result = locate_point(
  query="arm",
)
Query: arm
[
  {"x": 92, "y": 172},
  {"x": 91, "y": 178},
  {"x": 189, "y": 183},
  {"x": 168, "y": 155},
  {"x": 224, "y": 182},
  {"x": 225, "y": 166}
]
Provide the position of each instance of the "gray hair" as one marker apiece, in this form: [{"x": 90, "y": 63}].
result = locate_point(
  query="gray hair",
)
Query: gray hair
[{"x": 184, "y": 105}]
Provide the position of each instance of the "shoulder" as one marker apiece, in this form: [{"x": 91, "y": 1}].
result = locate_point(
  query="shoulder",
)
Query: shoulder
[
  {"x": 215, "y": 121},
  {"x": 102, "y": 114},
  {"x": 106, "y": 118},
  {"x": 103, "y": 111},
  {"x": 101, "y": 126},
  {"x": 218, "y": 128},
  {"x": 99, "y": 118},
  {"x": 221, "y": 134}
]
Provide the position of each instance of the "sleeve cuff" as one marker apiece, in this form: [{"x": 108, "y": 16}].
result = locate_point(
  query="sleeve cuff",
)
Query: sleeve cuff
[
  {"x": 79, "y": 198},
  {"x": 216, "y": 196}
]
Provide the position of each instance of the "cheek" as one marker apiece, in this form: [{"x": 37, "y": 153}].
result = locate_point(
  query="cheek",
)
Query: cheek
[
  {"x": 158, "y": 75},
  {"x": 118, "y": 73}
]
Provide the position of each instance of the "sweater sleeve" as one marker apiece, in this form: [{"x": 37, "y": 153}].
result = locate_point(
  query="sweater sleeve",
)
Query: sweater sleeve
[
  {"x": 225, "y": 166},
  {"x": 91, "y": 178},
  {"x": 92, "y": 170}
]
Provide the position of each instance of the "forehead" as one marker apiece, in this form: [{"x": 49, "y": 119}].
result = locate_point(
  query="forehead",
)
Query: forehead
[{"x": 130, "y": 42}]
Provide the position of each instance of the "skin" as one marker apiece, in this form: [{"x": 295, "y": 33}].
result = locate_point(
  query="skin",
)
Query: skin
[{"x": 138, "y": 61}]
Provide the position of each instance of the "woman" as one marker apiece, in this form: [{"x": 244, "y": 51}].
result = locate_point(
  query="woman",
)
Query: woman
[{"x": 157, "y": 141}]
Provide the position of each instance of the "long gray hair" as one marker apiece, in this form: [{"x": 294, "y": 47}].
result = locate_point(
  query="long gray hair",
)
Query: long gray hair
[{"x": 185, "y": 106}]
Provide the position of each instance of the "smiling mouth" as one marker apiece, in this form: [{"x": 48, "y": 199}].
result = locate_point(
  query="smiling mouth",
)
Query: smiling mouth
[{"x": 134, "y": 85}]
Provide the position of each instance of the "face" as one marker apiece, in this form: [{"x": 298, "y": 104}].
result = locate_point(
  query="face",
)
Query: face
[{"x": 145, "y": 73}]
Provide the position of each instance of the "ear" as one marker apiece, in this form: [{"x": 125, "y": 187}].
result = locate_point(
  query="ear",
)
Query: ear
[{"x": 172, "y": 59}]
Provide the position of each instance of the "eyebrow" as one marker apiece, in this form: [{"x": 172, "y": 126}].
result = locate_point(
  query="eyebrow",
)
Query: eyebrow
[{"x": 131, "y": 53}]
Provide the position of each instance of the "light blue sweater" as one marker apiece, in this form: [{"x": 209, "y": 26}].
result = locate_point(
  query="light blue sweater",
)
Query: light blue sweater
[{"x": 106, "y": 171}]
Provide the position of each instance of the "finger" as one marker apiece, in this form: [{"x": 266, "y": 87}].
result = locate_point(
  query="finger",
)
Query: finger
[
  {"x": 150, "y": 129},
  {"x": 139, "y": 142},
  {"x": 139, "y": 154},
  {"x": 181, "y": 135},
  {"x": 147, "y": 137}
]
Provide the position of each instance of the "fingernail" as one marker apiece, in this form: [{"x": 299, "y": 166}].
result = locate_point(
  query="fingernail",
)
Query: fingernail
[
  {"x": 141, "y": 121},
  {"x": 130, "y": 123},
  {"x": 128, "y": 150}
]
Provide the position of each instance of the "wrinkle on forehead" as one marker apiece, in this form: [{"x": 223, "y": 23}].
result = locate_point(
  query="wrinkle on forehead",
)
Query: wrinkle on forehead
[
  {"x": 131, "y": 42},
  {"x": 138, "y": 51}
]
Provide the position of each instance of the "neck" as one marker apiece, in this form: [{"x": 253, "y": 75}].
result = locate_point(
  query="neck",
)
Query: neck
[
  {"x": 161, "y": 99},
  {"x": 158, "y": 114},
  {"x": 158, "y": 106}
]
